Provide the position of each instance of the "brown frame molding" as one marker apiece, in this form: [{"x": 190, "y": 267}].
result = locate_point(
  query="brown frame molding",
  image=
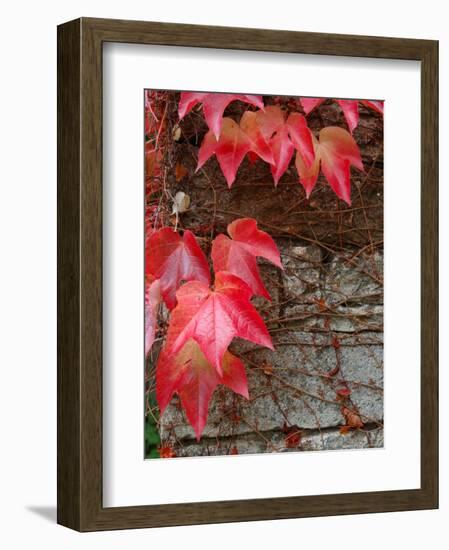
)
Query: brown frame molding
[{"x": 80, "y": 274}]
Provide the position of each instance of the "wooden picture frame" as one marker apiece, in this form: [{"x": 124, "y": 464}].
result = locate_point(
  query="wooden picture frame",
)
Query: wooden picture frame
[{"x": 80, "y": 504}]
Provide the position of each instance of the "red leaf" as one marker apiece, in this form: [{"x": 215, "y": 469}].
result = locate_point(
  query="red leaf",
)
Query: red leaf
[
  {"x": 152, "y": 301},
  {"x": 301, "y": 137},
  {"x": 214, "y": 317},
  {"x": 350, "y": 109},
  {"x": 229, "y": 149},
  {"x": 259, "y": 146},
  {"x": 282, "y": 149},
  {"x": 194, "y": 379},
  {"x": 272, "y": 125},
  {"x": 335, "y": 151},
  {"x": 214, "y": 105},
  {"x": 238, "y": 253},
  {"x": 172, "y": 259},
  {"x": 309, "y": 103},
  {"x": 283, "y": 137}
]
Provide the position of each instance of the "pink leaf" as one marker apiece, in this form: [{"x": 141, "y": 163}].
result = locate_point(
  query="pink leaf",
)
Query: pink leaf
[
  {"x": 258, "y": 143},
  {"x": 336, "y": 150},
  {"x": 214, "y": 317},
  {"x": 191, "y": 375},
  {"x": 350, "y": 109},
  {"x": 310, "y": 103},
  {"x": 283, "y": 137},
  {"x": 238, "y": 254},
  {"x": 214, "y": 105},
  {"x": 301, "y": 137},
  {"x": 172, "y": 259},
  {"x": 229, "y": 149}
]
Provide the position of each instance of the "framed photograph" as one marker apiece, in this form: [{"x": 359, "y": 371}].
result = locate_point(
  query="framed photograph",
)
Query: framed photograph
[{"x": 247, "y": 274}]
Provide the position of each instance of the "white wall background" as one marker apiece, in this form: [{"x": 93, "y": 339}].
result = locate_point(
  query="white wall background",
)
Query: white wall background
[{"x": 28, "y": 273}]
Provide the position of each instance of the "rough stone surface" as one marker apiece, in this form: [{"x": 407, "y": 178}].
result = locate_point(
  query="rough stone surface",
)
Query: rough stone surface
[
  {"x": 331, "y": 344},
  {"x": 329, "y": 440},
  {"x": 296, "y": 391}
]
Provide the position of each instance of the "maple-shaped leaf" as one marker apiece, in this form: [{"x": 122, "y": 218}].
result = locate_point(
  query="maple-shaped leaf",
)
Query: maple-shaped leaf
[
  {"x": 335, "y": 151},
  {"x": 249, "y": 124},
  {"x": 194, "y": 379},
  {"x": 214, "y": 105},
  {"x": 214, "y": 317},
  {"x": 152, "y": 301},
  {"x": 232, "y": 146},
  {"x": 229, "y": 149},
  {"x": 350, "y": 110},
  {"x": 173, "y": 259},
  {"x": 283, "y": 137},
  {"x": 238, "y": 254},
  {"x": 301, "y": 137}
]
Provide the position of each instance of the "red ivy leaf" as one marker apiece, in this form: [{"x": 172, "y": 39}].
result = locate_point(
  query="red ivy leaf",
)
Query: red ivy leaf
[
  {"x": 214, "y": 105},
  {"x": 350, "y": 109},
  {"x": 301, "y": 137},
  {"x": 152, "y": 301},
  {"x": 234, "y": 143},
  {"x": 309, "y": 103},
  {"x": 259, "y": 146},
  {"x": 229, "y": 149},
  {"x": 214, "y": 317},
  {"x": 283, "y": 137},
  {"x": 238, "y": 253},
  {"x": 172, "y": 259},
  {"x": 194, "y": 379},
  {"x": 335, "y": 151}
]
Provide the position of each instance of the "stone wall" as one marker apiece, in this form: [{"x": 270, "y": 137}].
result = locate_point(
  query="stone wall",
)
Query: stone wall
[{"x": 326, "y": 321}]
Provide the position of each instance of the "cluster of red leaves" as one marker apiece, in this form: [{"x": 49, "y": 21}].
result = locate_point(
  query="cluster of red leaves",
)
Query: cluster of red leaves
[
  {"x": 204, "y": 319},
  {"x": 269, "y": 134}
]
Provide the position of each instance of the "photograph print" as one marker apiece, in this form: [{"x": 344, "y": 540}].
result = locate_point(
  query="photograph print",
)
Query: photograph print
[{"x": 263, "y": 296}]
